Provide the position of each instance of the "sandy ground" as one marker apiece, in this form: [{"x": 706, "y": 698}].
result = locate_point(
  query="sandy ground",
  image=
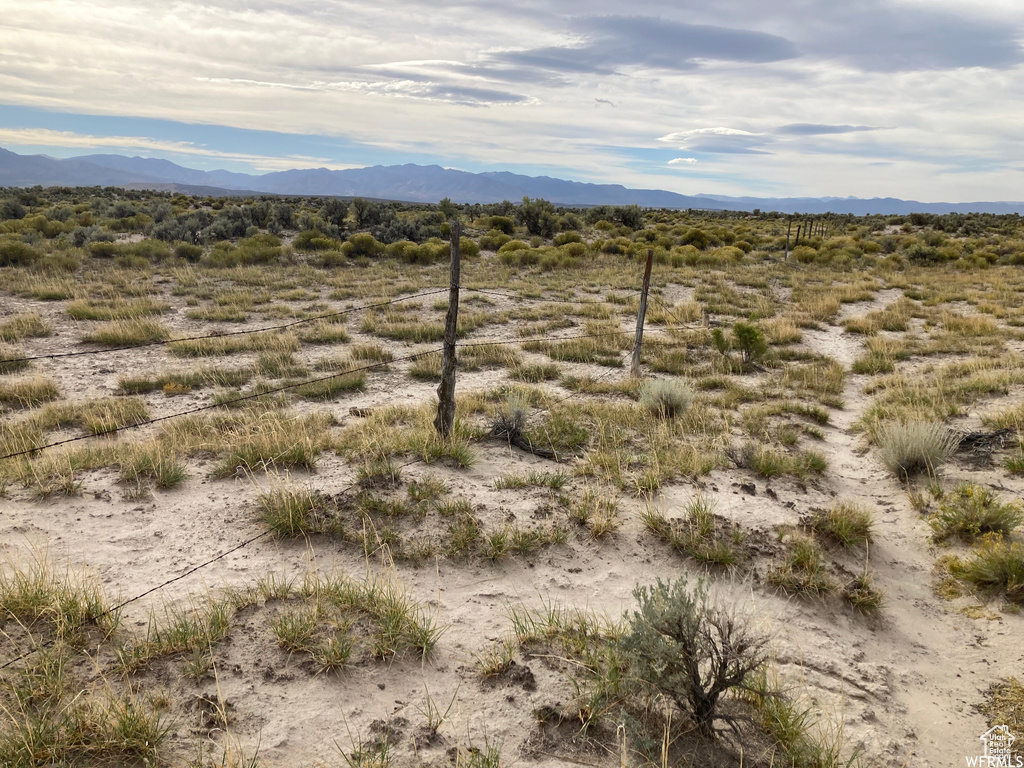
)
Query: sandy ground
[{"x": 903, "y": 685}]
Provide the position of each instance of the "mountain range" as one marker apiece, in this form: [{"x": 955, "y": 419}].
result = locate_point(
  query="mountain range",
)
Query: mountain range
[{"x": 425, "y": 184}]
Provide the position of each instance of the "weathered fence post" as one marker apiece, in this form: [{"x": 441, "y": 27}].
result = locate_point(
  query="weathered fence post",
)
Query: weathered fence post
[
  {"x": 640, "y": 315},
  {"x": 445, "y": 420},
  {"x": 788, "y": 230}
]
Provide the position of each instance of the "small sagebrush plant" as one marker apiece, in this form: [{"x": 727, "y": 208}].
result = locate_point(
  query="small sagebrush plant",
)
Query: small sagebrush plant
[
  {"x": 691, "y": 652},
  {"x": 915, "y": 447},
  {"x": 970, "y": 511},
  {"x": 666, "y": 398}
]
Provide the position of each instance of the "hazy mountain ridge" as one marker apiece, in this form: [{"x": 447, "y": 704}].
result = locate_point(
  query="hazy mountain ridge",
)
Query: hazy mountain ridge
[{"x": 428, "y": 184}]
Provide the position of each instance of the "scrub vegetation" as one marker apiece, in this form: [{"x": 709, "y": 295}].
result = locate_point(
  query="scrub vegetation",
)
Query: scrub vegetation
[{"x": 286, "y": 354}]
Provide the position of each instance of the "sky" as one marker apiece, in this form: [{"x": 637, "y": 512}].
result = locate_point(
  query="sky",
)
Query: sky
[{"x": 918, "y": 99}]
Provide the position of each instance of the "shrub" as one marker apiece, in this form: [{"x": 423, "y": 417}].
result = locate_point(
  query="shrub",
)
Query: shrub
[
  {"x": 915, "y": 447},
  {"x": 667, "y": 398},
  {"x": 970, "y": 511},
  {"x": 314, "y": 240},
  {"x": 749, "y": 340},
  {"x": 15, "y": 253},
  {"x": 363, "y": 244},
  {"x": 503, "y": 224},
  {"x": 493, "y": 240},
  {"x": 690, "y": 651},
  {"x": 514, "y": 245},
  {"x": 567, "y": 237},
  {"x": 538, "y": 216}
]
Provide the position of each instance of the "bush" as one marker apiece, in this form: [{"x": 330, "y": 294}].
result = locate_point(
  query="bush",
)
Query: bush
[
  {"x": 568, "y": 237},
  {"x": 919, "y": 446},
  {"x": 493, "y": 240},
  {"x": 970, "y": 511},
  {"x": 750, "y": 341},
  {"x": 690, "y": 651},
  {"x": 11, "y": 209},
  {"x": 514, "y": 245},
  {"x": 314, "y": 240},
  {"x": 15, "y": 253},
  {"x": 667, "y": 398},
  {"x": 538, "y": 216},
  {"x": 503, "y": 224},
  {"x": 363, "y": 244}
]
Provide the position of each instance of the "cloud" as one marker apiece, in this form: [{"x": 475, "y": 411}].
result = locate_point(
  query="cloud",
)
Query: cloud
[
  {"x": 604, "y": 45},
  {"x": 43, "y": 137},
  {"x": 719, "y": 140},
  {"x": 682, "y": 136},
  {"x": 448, "y": 93},
  {"x": 683, "y": 161},
  {"x": 820, "y": 129},
  {"x": 879, "y": 36}
]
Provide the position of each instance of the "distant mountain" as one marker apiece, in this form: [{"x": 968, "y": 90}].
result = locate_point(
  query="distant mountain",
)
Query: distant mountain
[{"x": 426, "y": 184}]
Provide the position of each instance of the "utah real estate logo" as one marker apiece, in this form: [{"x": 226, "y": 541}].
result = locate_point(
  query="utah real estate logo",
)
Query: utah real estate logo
[{"x": 998, "y": 742}]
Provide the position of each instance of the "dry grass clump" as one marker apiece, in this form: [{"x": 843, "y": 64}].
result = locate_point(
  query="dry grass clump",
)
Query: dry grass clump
[
  {"x": 667, "y": 398},
  {"x": 179, "y": 381},
  {"x": 371, "y": 353},
  {"x": 863, "y": 594},
  {"x": 229, "y": 345},
  {"x": 970, "y": 511},
  {"x": 1005, "y": 706},
  {"x": 880, "y": 355},
  {"x": 57, "y": 709},
  {"x": 894, "y": 317},
  {"x": 126, "y": 333},
  {"x": 845, "y": 523},
  {"x": 977, "y": 325},
  {"x": 324, "y": 332},
  {"x": 597, "y": 511},
  {"x": 11, "y": 359},
  {"x": 804, "y": 571},
  {"x": 150, "y": 461},
  {"x": 534, "y": 373},
  {"x": 397, "y": 430},
  {"x": 115, "y": 309},
  {"x": 329, "y": 389},
  {"x": 996, "y": 566},
  {"x": 768, "y": 461},
  {"x": 270, "y": 439},
  {"x": 24, "y": 326},
  {"x": 39, "y": 597},
  {"x": 914, "y": 447},
  {"x": 290, "y": 511},
  {"x": 28, "y": 393},
  {"x": 698, "y": 533},
  {"x": 781, "y": 331}
]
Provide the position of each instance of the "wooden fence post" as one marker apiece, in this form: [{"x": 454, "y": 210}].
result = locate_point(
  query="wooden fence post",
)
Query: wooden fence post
[
  {"x": 640, "y": 315},
  {"x": 445, "y": 420}
]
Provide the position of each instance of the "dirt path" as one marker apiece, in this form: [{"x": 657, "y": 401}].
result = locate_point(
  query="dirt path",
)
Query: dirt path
[{"x": 938, "y": 661}]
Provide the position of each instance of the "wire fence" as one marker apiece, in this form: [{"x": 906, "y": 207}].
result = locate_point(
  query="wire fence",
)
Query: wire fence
[{"x": 586, "y": 388}]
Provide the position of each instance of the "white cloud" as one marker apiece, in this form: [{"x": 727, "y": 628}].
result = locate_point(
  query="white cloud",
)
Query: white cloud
[{"x": 683, "y": 161}]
